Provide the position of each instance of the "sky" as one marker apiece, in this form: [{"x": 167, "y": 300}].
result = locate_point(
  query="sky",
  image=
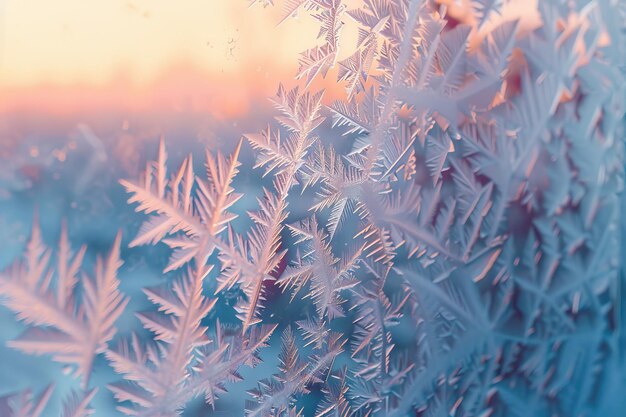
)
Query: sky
[
  {"x": 88, "y": 41},
  {"x": 68, "y": 55}
]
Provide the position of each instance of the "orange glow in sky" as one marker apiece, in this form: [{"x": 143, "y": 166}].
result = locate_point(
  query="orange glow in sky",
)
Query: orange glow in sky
[
  {"x": 77, "y": 41},
  {"x": 67, "y": 55},
  {"x": 215, "y": 55}
]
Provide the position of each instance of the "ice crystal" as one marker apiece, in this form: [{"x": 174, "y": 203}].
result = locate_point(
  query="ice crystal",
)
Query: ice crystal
[{"x": 480, "y": 198}]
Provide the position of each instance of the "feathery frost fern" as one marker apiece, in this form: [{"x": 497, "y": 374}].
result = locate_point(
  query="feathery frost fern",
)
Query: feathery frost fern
[{"x": 480, "y": 198}]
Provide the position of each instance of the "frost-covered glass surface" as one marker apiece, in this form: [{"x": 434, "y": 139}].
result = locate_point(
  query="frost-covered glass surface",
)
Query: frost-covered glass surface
[{"x": 441, "y": 238}]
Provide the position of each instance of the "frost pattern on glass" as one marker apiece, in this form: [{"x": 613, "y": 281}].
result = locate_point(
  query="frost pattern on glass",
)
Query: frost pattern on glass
[{"x": 460, "y": 257}]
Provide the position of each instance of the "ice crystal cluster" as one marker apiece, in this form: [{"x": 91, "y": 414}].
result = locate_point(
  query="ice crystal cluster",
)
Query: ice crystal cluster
[{"x": 446, "y": 237}]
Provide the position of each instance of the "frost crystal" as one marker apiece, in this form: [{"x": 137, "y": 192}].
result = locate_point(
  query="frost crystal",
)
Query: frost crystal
[{"x": 462, "y": 258}]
